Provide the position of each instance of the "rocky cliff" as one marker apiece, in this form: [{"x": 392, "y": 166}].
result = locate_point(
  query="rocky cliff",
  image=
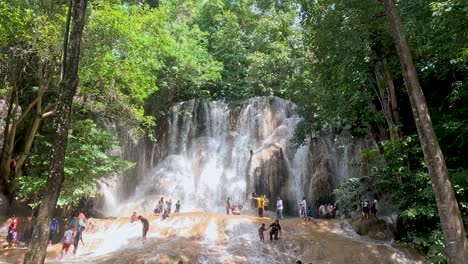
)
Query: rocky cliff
[{"x": 207, "y": 151}]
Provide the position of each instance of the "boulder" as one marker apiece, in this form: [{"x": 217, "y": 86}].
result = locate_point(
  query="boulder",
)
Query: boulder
[{"x": 374, "y": 228}]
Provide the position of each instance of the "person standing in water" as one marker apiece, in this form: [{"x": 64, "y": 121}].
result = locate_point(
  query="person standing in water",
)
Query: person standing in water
[
  {"x": 145, "y": 223},
  {"x": 53, "y": 230},
  {"x": 260, "y": 232},
  {"x": 260, "y": 202},
  {"x": 279, "y": 208},
  {"x": 134, "y": 217},
  {"x": 303, "y": 208},
  {"x": 275, "y": 229},
  {"x": 81, "y": 219},
  {"x": 177, "y": 207},
  {"x": 78, "y": 237},
  {"x": 67, "y": 240},
  {"x": 228, "y": 205}
]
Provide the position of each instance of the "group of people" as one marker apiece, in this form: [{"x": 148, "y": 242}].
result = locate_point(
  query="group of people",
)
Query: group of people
[
  {"x": 263, "y": 205},
  {"x": 327, "y": 210},
  {"x": 234, "y": 209},
  {"x": 165, "y": 208},
  {"x": 73, "y": 234},
  {"x": 274, "y": 232},
  {"x": 79, "y": 226},
  {"x": 368, "y": 209}
]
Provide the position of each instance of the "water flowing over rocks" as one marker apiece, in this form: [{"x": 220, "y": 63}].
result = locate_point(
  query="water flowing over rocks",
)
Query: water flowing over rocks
[
  {"x": 208, "y": 151},
  {"x": 207, "y": 238}
]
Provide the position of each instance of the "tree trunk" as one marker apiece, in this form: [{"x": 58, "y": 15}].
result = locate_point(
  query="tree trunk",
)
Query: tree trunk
[
  {"x": 67, "y": 88},
  {"x": 5, "y": 158},
  {"x": 449, "y": 213}
]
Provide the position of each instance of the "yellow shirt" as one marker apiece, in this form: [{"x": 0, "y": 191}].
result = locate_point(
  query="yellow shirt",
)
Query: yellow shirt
[{"x": 260, "y": 202}]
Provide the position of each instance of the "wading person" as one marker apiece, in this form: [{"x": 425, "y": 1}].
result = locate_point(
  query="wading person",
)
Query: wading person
[
  {"x": 53, "y": 230},
  {"x": 134, "y": 217},
  {"x": 145, "y": 224},
  {"x": 260, "y": 202},
  {"x": 260, "y": 232},
  {"x": 177, "y": 207},
  {"x": 67, "y": 240},
  {"x": 303, "y": 208},
  {"x": 78, "y": 237},
  {"x": 275, "y": 229},
  {"x": 279, "y": 208},
  {"x": 228, "y": 205}
]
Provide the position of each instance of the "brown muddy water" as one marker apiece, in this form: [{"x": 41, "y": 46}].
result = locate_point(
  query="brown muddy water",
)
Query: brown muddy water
[{"x": 214, "y": 238}]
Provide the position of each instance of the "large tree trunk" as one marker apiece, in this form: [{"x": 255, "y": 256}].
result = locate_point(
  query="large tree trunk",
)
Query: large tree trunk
[
  {"x": 37, "y": 248},
  {"x": 449, "y": 213},
  {"x": 5, "y": 158}
]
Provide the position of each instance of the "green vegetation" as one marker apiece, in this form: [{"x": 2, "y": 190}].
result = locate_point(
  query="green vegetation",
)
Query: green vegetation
[{"x": 335, "y": 59}]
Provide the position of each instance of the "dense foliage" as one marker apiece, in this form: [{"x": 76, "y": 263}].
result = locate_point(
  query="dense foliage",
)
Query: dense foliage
[
  {"x": 403, "y": 183},
  {"x": 88, "y": 159},
  {"x": 334, "y": 58}
]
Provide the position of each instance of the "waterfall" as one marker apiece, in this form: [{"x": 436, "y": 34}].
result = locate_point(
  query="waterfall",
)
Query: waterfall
[{"x": 209, "y": 151}]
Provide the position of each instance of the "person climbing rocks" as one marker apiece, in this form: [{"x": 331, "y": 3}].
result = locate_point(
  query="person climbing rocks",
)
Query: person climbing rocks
[
  {"x": 145, "y": 223},
  {"x": 279, "y": 208},
  {"x": 67, "y": 240},
  {"x": 77, "y": 238},
  {"x": 177, "y": 207},
  {"x": 260, "y": 232},
  {"x": 134, "y": 217},
  {"x": 303, "y": 207},
  {"x": 275, "y": 229},
  {"x": 53, "y": 230},
  {"x": 228, "y": 205}
]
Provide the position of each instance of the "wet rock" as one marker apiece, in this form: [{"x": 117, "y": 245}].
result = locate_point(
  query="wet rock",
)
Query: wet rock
[{"x": 374, "y": 228}]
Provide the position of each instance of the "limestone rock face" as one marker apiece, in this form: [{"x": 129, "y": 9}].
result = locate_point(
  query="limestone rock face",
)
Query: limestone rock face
[{"x": 207, "y": 151}]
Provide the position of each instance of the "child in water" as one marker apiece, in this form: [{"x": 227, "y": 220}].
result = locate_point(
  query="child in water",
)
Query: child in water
[{"x": 260, "y": 232}]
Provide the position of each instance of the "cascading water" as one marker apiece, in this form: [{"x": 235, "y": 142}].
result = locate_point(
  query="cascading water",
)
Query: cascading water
[
  {"x": 215, "y": 151},
  {"x": 209, "y": 151}
]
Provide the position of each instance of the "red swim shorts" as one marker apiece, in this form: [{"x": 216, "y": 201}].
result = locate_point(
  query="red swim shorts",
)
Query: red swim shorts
[{"x": 66, "y": 247}]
